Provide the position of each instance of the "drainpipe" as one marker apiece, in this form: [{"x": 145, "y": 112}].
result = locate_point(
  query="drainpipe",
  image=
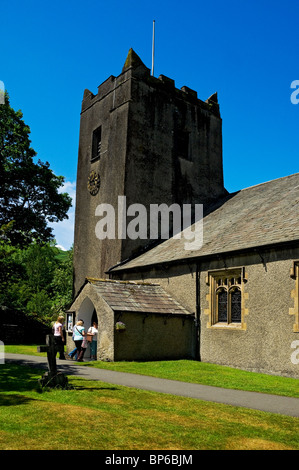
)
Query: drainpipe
[{"x": 197, "y": 315}]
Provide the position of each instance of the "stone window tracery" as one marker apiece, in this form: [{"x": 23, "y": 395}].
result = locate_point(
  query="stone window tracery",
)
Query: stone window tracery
[{"x": 227, "y": 298}]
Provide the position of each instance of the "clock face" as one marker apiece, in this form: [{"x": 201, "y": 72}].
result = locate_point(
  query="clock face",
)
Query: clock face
[{"x": 94, "y": 182}]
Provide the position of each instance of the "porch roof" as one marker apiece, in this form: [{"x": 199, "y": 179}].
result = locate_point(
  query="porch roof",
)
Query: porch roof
[{"x": 136, "y": 297}]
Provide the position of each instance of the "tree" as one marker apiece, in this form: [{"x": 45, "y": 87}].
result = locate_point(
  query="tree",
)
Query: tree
[
  {"x": 48, "y": 280},
  {"x": 29, "y": 193},
  {"x": 62, "y": 283},
  {"x": 11, "y": 270},
  {"x": 36, "y": 280}
]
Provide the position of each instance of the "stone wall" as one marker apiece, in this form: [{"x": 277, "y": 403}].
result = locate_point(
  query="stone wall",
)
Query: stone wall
[
  {"x": 151, "y": 337},
  {"x": 264, "y": 343}
]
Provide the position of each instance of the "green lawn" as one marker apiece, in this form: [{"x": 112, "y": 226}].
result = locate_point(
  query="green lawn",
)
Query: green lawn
[{"x": 95, "y": 415}]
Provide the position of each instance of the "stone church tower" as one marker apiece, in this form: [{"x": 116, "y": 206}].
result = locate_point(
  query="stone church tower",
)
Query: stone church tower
[{"x": 142, "y": 138}]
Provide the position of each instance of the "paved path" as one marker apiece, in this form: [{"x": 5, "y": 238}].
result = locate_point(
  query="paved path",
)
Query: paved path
[{"x": 258, "y": 401}]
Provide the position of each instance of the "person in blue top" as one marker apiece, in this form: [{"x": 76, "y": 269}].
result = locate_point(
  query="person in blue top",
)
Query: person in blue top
[{"x": 78, "y": 336}]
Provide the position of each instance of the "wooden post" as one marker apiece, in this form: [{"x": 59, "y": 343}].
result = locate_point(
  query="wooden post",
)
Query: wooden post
[
  {"x": 51, "y": 378},
  {"x": 51, "y": 354}
]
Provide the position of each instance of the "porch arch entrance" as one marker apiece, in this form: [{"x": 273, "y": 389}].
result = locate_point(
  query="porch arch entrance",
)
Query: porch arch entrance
[{"x": 88, "y": 314}]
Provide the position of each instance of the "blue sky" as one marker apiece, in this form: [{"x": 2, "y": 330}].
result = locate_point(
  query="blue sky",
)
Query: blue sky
[{"x": 246, "y": 50}]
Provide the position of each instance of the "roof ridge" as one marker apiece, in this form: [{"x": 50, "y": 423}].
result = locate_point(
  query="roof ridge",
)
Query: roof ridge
[
  {"x": 267, "y": 182},
  {"x": 92, "y": 280}
]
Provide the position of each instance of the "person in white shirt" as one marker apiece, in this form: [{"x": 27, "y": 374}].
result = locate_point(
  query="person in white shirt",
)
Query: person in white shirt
[
  {"x": 78, "y": 336},
  {"x": 94, "y": 343},
  {"x": 58, "y": 336}
]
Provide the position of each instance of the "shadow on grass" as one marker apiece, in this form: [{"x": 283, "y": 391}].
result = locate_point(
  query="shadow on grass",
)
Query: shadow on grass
[
  {"x": 14, "y": 378},
  {"x": 23, "y": 377},
  {"x": 15, "y": 399}
]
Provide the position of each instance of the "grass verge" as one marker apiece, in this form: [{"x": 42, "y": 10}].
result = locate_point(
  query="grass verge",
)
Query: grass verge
[{"x": 99, "y": 416}]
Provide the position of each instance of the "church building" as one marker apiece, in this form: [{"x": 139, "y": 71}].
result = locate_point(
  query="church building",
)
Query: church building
[{"x": 233, "y": 298}]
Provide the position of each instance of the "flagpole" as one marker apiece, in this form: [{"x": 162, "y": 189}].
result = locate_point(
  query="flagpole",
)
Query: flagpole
[{"x": 153, "y": 48}]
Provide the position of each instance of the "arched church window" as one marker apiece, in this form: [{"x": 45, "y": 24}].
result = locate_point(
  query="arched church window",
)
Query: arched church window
[{"x": 226, "y": 298}]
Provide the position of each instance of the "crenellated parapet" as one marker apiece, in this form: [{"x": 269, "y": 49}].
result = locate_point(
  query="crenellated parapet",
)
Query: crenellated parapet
[{"x": 135, "y": 68}]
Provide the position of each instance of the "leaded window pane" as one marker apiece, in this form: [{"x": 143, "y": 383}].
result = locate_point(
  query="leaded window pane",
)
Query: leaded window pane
[
  {"x": 236, "y": 306},
  {"x": 222, "y": 306}
]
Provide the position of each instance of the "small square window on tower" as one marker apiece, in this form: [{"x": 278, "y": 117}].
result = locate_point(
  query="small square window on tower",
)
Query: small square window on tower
[{"x": 96, "y": 143}]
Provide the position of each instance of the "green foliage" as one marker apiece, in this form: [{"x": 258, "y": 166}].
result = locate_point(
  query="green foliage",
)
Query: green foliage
[
  {"x": 10, "y": 268},
  {"x": 62, "y": 282},
  {"x": 28, "y": 190},
  {"x": 36, "y": 280}
]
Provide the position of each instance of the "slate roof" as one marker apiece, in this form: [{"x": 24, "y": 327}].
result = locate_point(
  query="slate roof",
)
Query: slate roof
[
  {"x": 136, "y": 297},
  {"x": 257, "y": 216}
]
